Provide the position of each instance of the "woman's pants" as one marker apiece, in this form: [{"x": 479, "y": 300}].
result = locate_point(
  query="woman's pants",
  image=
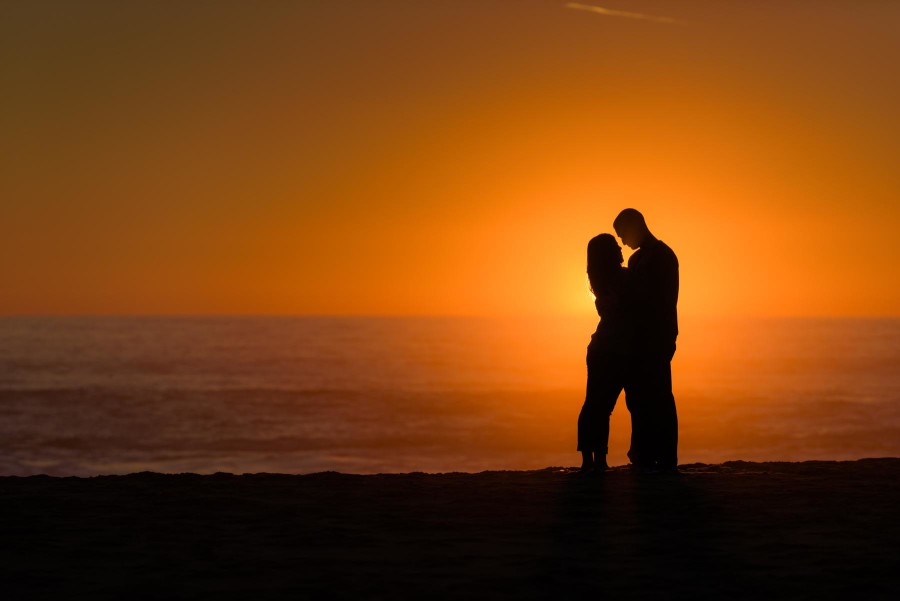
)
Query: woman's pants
[{"x": 606, "y": 374}]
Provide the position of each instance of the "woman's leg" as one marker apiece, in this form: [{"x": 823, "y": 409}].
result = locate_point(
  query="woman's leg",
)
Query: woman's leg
[
  {"x": 604, "y": 383},
  {"x": 586, "y": 433},
  {"x": 587, "y": 460}
]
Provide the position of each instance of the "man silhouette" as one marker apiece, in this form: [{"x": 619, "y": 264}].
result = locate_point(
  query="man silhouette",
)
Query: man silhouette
[{"x": 648, "y": 388}]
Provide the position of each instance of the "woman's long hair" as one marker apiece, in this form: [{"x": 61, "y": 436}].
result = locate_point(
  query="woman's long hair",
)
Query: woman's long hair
[{"x": 604, "y": 258}]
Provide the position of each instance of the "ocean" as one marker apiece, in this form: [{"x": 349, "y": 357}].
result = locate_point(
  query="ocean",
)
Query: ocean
[{"x": 84, "y": 396}]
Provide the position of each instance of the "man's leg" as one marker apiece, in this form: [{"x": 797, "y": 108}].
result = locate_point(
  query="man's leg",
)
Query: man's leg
[
  {"x": 638, "y": 399},
  {"x": 664, "y": 414}
]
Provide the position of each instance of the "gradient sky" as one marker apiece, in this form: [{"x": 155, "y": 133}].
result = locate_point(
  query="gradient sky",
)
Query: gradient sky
[{"x": 445, "y": 156}]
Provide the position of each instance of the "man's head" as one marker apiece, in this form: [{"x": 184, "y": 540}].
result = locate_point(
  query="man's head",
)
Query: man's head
[{"x": 631, "y": 228}]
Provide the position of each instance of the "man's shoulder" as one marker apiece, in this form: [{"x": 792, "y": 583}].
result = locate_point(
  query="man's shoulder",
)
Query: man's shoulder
[{"x": 664, "y": 250}]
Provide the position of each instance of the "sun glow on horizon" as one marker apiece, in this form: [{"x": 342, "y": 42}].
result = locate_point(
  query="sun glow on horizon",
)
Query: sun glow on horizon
[{"x": 304, "y": 158}]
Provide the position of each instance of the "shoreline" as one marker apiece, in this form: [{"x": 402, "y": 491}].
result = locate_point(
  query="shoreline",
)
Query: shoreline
[{"x": 735, "y": 466}]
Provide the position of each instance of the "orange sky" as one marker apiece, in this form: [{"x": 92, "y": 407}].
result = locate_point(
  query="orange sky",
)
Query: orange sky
[{"x": 448, "y": 157}]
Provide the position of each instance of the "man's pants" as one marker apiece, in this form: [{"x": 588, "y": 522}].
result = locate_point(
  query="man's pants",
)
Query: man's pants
[{"x": 654, "y": 421}]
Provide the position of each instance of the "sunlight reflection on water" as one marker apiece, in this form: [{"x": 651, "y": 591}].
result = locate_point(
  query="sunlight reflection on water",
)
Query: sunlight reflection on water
[{"x": 92, "y": 395}]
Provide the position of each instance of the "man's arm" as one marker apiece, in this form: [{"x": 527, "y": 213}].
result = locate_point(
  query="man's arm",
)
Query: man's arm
[{"x": 663, "y": 279}]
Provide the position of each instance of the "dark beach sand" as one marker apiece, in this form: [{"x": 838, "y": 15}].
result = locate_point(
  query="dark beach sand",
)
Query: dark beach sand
[{"x": 736, "y": 530}]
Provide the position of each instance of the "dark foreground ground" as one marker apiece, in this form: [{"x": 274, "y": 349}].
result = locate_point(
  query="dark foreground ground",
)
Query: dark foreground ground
[{"x": 738, "y": 530}]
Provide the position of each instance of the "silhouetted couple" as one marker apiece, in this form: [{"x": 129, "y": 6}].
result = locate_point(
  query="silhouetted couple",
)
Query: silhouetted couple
[{"x": 632, "y": 348}]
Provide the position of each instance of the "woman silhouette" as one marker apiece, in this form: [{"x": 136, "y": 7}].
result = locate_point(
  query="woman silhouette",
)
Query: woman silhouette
[{"x": 609, "y": 352}]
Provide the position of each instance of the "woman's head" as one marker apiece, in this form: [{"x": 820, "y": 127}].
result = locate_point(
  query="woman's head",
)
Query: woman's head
[{"x": 603, "y": 256}]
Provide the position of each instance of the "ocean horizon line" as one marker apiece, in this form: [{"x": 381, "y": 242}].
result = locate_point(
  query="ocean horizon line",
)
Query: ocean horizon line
[{"x": 512, "y": 316}]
